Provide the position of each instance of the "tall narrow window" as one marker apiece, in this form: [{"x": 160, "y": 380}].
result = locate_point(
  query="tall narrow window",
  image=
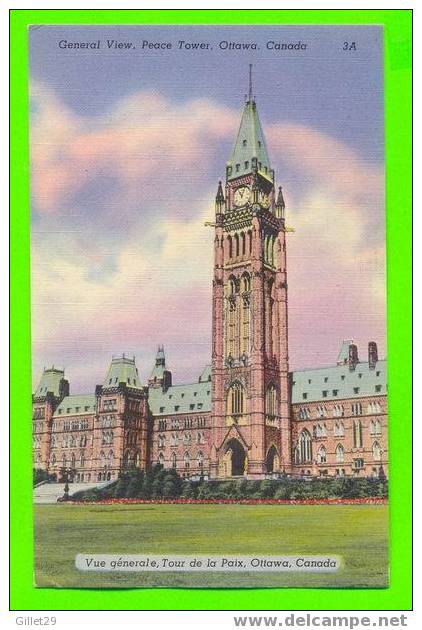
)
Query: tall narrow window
[
  {"x": 236, "y": 245},
  {"x": 231, "y": 320},
  {"x": 245, "y": 326},
  {"x": 236, "y": 400},
  {"x": 173, "y": 460},
  {"x": 271, "y": 401},
  {"x": 250, "y": 241},
  {"x": 322, "y": 455},
  {"x": 340, "y": 453},
  {"x": 243, "y": 238},
  {"x": 376, "y": 451},
  {"x": 357, "y": 433},
  {"x": 304, "y": 450}
]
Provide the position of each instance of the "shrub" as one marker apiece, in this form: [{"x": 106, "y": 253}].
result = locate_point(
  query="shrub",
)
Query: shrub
[{"x": 39, "y": 475}]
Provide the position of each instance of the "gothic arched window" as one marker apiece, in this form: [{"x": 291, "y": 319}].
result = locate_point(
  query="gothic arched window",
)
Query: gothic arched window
[
  {"x": 236, "y": 245},
  {"x": 322, "y": 455},
  {"x": 376, "y": 451},
  {"x": 340, "y": 453},
  {"x": 230, "y": 242},
  {"x": 271, "y": 401},
  {"x": 236, "y": 400},
  {"x": 250, "y": 241},
  {"x": 245, "y": 284},
  {"x": 339, "y": 428},
  {"x": 304, "y": 448},
  {"x": 173, "y": 460}
]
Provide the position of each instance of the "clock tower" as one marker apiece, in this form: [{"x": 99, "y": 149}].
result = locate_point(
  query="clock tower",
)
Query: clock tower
[{"x": 250, "y": 398}]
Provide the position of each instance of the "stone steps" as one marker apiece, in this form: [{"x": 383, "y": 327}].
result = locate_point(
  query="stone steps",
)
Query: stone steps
[{"x": 50, "y": 492}]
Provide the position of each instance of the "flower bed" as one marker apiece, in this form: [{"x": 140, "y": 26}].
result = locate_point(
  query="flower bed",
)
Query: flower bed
[{"x": 332, "y": 501}]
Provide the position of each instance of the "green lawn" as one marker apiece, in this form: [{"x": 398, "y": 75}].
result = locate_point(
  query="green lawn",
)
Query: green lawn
[{"x": 358, "y": 533}]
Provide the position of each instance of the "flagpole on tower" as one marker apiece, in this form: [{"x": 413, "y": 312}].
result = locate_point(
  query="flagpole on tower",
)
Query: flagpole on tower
[{"x": 250, "y": 82}]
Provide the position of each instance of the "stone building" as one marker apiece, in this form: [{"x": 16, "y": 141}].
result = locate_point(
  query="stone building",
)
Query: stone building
[{"x": 247, "y": 414}]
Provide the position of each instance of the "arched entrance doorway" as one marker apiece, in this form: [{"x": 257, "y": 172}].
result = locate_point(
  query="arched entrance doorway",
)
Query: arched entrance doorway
[
  {"x": 273, "y": 462},
  {"x": 235, "y": 459}
]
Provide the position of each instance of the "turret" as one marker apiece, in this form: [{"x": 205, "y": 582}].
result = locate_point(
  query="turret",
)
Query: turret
[
  {"x": 219, "y": 200},
  {"x": 51, "y": 390},
  {"x": 122, "y": 370},
  {"x": 160, "y": 377},
  {"x": 279, "y": 204},
  {"x": 52, "y": 382}
]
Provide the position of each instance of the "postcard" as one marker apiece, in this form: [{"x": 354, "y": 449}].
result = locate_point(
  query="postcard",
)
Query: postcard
[{"x": 208, "y": 306}]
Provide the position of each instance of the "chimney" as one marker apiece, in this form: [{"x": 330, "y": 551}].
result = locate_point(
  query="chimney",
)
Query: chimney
[
  {"x": 372, "y": 355},
  {"x": 353, "y": 356}
]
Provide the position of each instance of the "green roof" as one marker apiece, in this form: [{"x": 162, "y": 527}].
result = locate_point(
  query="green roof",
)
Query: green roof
[
  {"x": 76, "y": 405},
  {"x": 250, "y": 143},
  {"x": 49, "y": 382},
  {"x": 122, "y": 370},
  {"x": 338, "y": 382},
  {"x": 177, "y": 399}
]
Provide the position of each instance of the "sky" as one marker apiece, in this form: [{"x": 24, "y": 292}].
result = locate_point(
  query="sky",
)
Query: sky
[{"x": 127, "y": 147}]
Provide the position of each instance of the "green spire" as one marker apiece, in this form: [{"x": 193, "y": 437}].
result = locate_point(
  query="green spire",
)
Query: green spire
[{"x": 249, "y": 152}]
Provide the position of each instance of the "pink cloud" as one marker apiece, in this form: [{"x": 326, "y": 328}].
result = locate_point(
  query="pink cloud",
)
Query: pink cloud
[{"x": 160, "y": 290}]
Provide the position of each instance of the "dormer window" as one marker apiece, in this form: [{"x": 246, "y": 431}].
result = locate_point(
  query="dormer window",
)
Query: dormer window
[
  {"x": 237, "y": 168},
  {"x": 246, "y": 164}
]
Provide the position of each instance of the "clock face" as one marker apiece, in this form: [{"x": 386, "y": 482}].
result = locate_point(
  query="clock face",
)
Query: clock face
[{"x": 241, "y": 196}]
